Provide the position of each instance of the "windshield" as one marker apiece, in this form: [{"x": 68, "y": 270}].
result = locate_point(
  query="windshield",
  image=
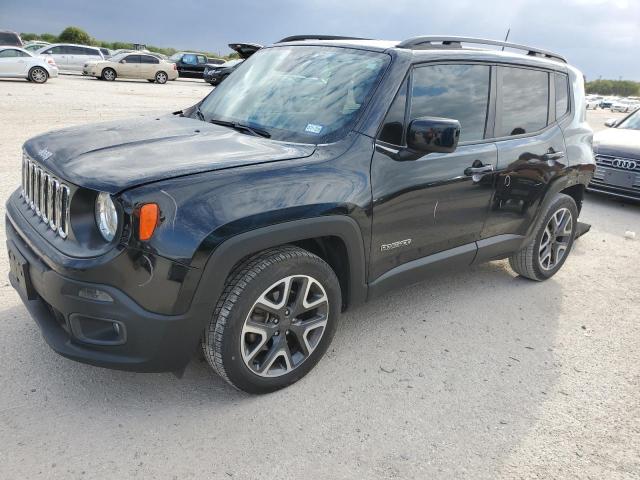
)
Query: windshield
[
  {"x": 632, "y": 122},
  {"x": 298, "y": 94}
]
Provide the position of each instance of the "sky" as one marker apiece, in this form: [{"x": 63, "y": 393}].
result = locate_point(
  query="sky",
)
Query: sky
[{"x": 600, "y": 37}]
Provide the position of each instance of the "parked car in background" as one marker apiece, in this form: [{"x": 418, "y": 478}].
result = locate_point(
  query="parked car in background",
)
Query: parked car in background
[
  {"x": 624, "y": 106},
  {"x": 132, "y": 65},
  {"x": 607, "y": 102},
  {"x": 35, "y": 45},
  {"x": 16, "y": 62},
  {"x": 592, "y": 103},
  {"x": 324, "y": 174},
  {"x": 189, "y": 64},
  {"x": 106, "y": 53},
  {"x": 217, "y": 73},
  {"x": 71, "y": 58},
  {"x": 9, "y": 38},
  {"x": 617, "y": 153}
]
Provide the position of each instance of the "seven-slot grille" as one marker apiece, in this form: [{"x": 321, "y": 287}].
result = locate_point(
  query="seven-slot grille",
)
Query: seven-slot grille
[{"x": 46, "y": 196}]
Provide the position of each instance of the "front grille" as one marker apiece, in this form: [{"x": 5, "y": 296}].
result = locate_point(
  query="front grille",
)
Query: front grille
[
  {"x": 46, "y": 196},
  {"x": 607, "y": 161}
]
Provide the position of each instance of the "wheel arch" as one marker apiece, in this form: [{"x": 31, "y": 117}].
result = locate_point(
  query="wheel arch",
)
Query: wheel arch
[{"x": 336, "y": 239}]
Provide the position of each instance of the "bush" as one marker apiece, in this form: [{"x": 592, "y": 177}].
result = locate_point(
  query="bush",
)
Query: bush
[{"x": 75, "y": 35}]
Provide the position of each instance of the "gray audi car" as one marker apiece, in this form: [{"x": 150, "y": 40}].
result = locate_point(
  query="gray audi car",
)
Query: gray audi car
[{"x": 617, "y": 152}]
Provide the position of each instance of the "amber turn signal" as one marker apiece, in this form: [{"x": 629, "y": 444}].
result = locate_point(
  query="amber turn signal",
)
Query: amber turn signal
[{"x": 148, "y": 220}]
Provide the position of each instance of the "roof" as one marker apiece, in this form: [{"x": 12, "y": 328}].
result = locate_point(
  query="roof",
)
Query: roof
[{"x": 428, "y": 45}]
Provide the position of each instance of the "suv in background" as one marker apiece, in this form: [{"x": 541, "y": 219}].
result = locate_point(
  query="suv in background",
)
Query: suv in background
[
  {"x": 323, "y": 173},
  {"x": 71, "y": 58},
  {"x": 10, "y": 39},
  {"x": 214, "y": 74},
  {"x": 189, "y": 65}
]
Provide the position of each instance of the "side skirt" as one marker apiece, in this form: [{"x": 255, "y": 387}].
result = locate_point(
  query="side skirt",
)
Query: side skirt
[{"x": 493, "y": 248}]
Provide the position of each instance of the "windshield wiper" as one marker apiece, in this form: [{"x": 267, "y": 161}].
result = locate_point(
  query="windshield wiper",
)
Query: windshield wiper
[
  {"x": 199, "y": 113},
  {"x": 258, "y": 132}
]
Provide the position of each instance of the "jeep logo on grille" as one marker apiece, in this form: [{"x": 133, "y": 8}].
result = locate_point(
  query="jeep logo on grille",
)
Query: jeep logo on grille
[{"x": 626, "y": 164}]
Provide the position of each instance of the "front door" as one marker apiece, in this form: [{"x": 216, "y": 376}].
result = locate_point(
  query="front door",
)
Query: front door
[
  {"x": 437, "y": 202},
  {"x": 129, "y": 66}
]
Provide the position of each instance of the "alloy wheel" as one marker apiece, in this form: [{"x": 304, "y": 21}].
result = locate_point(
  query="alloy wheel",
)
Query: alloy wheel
[
  {"x": 161, "y": 77},
  {"x": 284, "y": 326},
  {"x": 38, "y": 75},
  {"x": 555, "y": 239}
]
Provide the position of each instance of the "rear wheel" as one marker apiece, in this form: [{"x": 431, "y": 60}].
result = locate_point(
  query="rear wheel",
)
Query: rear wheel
[
  {"x": 274, "y": 320},
  {"x": 161, "y": 77},
  {"x": 38, "y": 75},
  {"x": 545, "y": 254},
  {"x": 109, "y": 74}
]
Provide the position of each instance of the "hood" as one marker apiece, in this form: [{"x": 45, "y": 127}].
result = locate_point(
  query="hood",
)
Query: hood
[
  {"x": 245, "y": 50},
  {"x": 617, "y": 142},
  {"x": 115, "y": 156}
]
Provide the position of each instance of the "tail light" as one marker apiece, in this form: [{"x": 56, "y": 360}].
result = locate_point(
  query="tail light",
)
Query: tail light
[
  {"x": 51, "y": 62},
  {"x": 175, "y": 67}
]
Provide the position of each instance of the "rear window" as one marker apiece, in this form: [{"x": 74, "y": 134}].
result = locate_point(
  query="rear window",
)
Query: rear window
[
  {"x": 524, "y": 101},
  {"x": 562, "y": 94},
  {"x": 8, "y": 38},
  {"x": 132, "y": 59},
  {"x": 148, "y": 59}
]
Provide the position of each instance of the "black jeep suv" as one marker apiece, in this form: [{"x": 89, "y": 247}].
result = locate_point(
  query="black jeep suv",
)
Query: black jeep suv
[{"x": 323, "y": 173}]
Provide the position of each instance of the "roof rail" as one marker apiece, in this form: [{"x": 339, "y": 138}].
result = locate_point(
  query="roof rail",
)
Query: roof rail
[
  {"x": 297, "y": 38},
  {"x": 436, "y": 42}
]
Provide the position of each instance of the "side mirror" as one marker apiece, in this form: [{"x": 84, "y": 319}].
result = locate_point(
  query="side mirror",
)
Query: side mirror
[
  {"x": 433, "y": 135},
  {"x": 123, "y": 61},
  {"x": 612, "y": 122}
]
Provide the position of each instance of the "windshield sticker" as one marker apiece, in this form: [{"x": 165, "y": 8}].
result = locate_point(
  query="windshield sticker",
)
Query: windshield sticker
[{"x": 313, "y": 128}]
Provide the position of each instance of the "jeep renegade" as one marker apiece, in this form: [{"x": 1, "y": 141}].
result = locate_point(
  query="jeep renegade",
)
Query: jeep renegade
[{"x": 323, "y": 172}]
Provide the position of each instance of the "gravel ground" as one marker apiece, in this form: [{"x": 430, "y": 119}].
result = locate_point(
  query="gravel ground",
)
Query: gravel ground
[{"x": 475, "y": 374}]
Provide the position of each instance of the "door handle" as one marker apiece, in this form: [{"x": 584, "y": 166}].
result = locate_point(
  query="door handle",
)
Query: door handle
[
  {"x": 553, "y": 155},
  {"x": 479, "y": 169}
]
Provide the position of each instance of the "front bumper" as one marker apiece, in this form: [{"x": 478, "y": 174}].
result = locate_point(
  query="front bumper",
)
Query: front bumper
[{"x": 143, "y": 341}]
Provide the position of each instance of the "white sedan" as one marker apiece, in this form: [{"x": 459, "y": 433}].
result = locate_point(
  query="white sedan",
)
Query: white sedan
[{"x": 17, "y": 62}]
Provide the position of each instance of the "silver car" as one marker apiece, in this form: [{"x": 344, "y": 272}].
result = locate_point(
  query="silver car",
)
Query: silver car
[
  {"x": 16, "y": 62},
  {"x": 71, "y": 58}
]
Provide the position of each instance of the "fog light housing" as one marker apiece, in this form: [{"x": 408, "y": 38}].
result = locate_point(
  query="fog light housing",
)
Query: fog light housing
[
  {"x": 95, "y": 294},
  {"x": 97, "y": 331}
]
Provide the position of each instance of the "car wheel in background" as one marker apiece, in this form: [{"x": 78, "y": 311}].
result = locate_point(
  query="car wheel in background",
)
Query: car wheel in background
[
  {"x": 38, "y": 75},
  {"x": 553, "y": 238},
  {"x": 161, "y": 77},
  {"x": 109, "y": 74},
  {"x": 274, "y": 320}
]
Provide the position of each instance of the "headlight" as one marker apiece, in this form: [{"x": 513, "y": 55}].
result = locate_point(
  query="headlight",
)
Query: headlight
[{"x": 106, "y": 216}]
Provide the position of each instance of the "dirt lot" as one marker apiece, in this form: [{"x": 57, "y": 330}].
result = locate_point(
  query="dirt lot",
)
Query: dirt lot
[{"x": 477, "y": 374}]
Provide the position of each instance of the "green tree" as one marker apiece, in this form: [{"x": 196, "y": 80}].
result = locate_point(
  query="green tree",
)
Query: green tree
[
  {"x": 75, "y": 35},
  {"x": 623, "y": 88}
]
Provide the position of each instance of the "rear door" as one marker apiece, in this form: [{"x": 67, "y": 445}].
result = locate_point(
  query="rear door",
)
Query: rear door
[
  {"x": 148, "y": 66},
  {"x": 59, "y": 54},
  {"x": 434, "y": 203},
  {"x": 531, "y": 148}
]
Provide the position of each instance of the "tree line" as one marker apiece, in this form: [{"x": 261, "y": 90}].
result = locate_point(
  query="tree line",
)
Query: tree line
[
  {"x": 622, "y": 88},
  {"x": 79, "y": 36}
]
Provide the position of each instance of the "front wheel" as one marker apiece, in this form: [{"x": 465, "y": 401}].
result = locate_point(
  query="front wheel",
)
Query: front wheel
[
  {"x": 274, "y": 320},
  {"x": 161, "y": 78},
  {"x": 38, "y": 75},
  {"x": 553, "y": 238}
]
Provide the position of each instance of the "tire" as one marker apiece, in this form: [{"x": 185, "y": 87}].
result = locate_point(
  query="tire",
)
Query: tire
[
  {"x": 109, "y": 74},
  {"x": 38, "y": 75},
  {"x": 161, "y": 77},
  {"x": 554, "y": 234},
  {"x": 243, "y": 342}
]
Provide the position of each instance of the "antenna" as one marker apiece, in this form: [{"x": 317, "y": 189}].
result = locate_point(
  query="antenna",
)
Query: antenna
[{"x": 506, "y": 37}]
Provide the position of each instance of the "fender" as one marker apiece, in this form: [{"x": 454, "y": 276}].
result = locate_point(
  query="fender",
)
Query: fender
[
  {"x": 570, "y": 178},
  {"x": 231, "y": 251}
]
